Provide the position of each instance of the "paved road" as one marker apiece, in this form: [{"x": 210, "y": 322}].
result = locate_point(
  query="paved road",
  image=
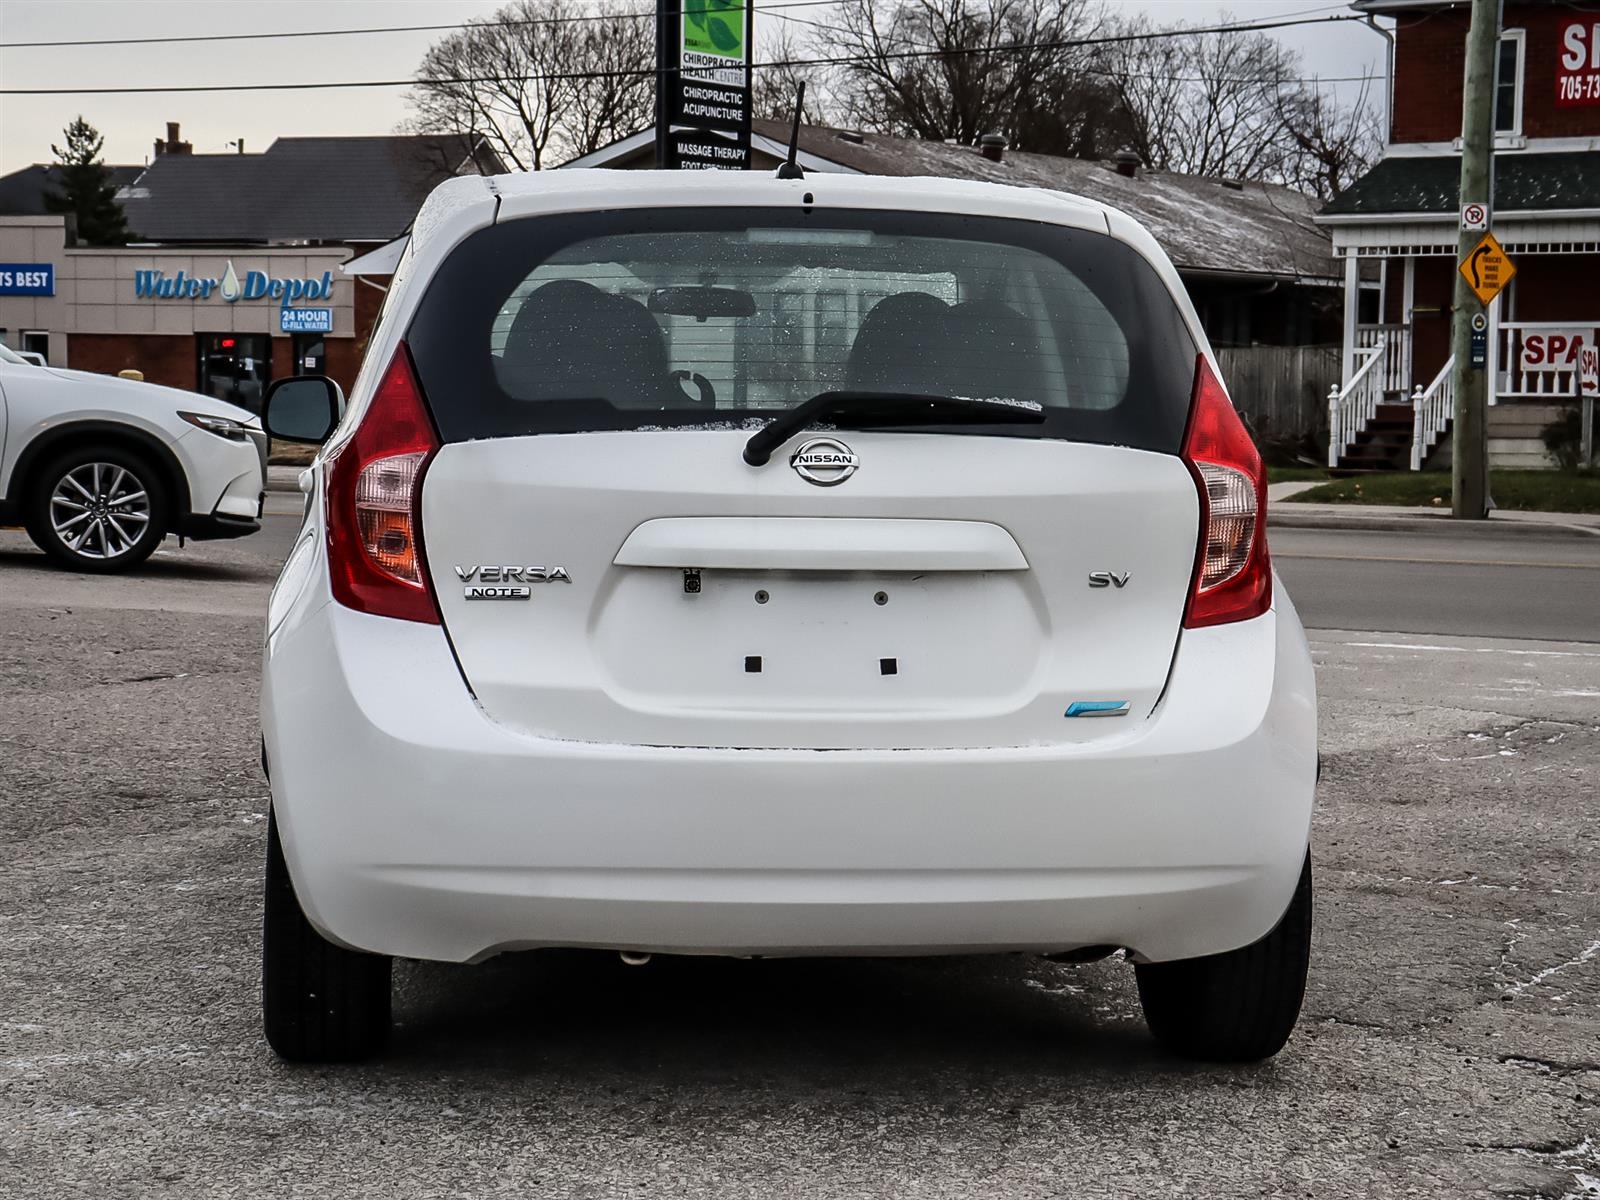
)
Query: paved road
[
  {"x": 1448, "y": 1046},
  {"x": 1446, "y": 582},
  {"x": 1508, "y": 585}
]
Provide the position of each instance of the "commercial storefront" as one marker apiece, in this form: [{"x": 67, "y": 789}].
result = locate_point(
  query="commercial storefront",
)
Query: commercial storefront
[
  {"x": 219, "y": 320},
  {"x": 235, "y": 276}
]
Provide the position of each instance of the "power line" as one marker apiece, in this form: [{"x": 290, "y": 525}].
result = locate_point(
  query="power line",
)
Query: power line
[
  {"x": 305, "y": 33},
  {"x": 640, "y": 72},
  {"x": 1084, "y": 70}
]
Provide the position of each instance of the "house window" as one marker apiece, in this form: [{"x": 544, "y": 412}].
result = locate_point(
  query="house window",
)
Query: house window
[
  {"x": 1508, "y": 83},
  {"x": 37, "y": 341}
]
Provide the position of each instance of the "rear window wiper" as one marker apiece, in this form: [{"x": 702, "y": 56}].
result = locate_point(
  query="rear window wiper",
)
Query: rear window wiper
[{"x": 888, "y": 408}]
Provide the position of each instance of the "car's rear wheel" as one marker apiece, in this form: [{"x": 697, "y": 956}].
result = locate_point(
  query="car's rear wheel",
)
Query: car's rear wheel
[
  {"x": 97, "y": 508},
  {"x": 1239, "y": 1006},
  {"x": 320, "y": 1002}
]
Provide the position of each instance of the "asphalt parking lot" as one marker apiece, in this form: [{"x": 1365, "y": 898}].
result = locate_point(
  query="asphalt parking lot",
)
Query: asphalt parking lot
[{"x": 1450, "y": 1044}]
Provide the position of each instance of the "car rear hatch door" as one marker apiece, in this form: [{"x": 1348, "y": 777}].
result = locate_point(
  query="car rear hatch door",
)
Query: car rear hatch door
[{"x": 956, "y": 591}]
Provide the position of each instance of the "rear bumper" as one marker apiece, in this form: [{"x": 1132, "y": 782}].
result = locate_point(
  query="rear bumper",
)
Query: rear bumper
[{"x": 415, "y": 826}]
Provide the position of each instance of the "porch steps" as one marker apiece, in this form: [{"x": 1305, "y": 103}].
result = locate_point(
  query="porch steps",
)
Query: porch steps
[
  {"x": 1384, "y": 445},
  {"x": 1515, "y": 436}
]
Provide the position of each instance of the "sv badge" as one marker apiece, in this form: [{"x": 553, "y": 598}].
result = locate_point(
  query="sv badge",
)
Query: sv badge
[{"x": 1100, "y": 579}]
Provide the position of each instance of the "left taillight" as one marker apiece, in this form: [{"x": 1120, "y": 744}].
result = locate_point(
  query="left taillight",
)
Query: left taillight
[
  {"x": 375, "y": 556},
  {"x": 1232, "y": 574}
]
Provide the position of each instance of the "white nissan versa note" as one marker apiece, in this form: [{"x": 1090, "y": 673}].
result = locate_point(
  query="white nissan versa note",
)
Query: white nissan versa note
[{"x": 724, "y": 564}]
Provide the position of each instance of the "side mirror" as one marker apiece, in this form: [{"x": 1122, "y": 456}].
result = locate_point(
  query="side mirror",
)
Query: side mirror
[{"x": 302, "y": 408}]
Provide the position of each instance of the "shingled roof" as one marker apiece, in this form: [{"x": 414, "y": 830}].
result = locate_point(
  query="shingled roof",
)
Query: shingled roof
[
  {"x": 22, "y": 192},
  {"x": 319, "y": 189},
  {"x": 1431, "y": 183},
  {"x": 1206, "y": 225}
]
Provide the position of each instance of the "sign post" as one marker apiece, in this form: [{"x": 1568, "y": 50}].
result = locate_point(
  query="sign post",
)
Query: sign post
[
  {"x": 1485, "y": 269},
  {"x": 1587, "y": 377},
  {"x": 703, "y": 53}
]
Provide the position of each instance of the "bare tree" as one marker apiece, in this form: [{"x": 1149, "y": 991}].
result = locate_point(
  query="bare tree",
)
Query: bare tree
[
  {"x": 773, "y": 87},
  {"x": 1233, "y": 105},
  {"x": 1070, "y": 109},
  {"x": 1331, "y": 145},
  {"x": 510, "y": 80},
  {"x": 987, "y": 58},
  {"x": 620, "y": 100},
  {"x": 1206, "y": 103}
]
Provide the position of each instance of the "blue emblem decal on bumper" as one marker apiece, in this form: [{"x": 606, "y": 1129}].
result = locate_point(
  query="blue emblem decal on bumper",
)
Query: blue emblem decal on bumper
[{"x": 1097, "y": 708}]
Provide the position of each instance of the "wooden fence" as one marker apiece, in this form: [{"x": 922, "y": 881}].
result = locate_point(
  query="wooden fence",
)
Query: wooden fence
[{"x": 1281, "y": 390}]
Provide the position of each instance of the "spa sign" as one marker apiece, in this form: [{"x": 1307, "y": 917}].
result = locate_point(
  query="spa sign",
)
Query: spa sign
[{"x": 256, "y": 285}]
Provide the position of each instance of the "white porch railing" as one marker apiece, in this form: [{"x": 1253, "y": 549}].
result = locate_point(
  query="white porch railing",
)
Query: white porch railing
[
  {"x": 1396, "y": 342},
  {"x": 1519, "y": 377},
  {"x": 1431, "y": 410},
  {"x": 1352, "y": 406}
]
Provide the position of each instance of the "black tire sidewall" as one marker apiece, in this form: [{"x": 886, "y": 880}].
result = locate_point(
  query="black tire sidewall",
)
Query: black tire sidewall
[{"x": 42, "y": 484}]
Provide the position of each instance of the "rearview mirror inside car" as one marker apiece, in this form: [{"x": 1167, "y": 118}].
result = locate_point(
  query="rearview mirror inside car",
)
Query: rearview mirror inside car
[
  {"x": 702, "y": 302},
  {"x": 302, "y": 408}
]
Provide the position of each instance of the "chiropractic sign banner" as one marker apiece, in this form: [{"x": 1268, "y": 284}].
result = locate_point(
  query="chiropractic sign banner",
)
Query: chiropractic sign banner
[{"x": 152, "y": 284}]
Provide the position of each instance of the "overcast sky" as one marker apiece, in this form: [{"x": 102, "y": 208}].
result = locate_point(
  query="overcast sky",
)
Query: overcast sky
[{"x": 29, "y": 124}]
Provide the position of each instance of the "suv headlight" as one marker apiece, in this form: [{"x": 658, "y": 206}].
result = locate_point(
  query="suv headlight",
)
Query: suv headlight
[{"x": 234, "y": 431}]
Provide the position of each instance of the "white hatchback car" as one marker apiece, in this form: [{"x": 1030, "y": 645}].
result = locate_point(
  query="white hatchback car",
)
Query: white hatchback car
[
  {"x": 100, "y": 469},
  {"x": 722, "y": 564}
]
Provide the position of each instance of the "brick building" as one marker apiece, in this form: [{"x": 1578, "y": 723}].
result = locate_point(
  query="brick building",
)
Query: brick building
[
  {"x": 235, "y": 274},
  {"x": 1403, "y": 215}
]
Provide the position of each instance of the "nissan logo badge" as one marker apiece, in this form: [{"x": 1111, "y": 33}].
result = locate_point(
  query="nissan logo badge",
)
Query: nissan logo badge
[{"x": 825, "y": 462}]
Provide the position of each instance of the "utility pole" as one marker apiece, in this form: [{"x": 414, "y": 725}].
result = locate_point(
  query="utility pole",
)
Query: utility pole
[
  {"x": 1469, "y": 464},
  {"x": 666, "y": 26}
]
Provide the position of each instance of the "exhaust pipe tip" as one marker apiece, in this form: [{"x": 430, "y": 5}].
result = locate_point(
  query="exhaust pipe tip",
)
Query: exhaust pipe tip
[{"x": 633, "y": 958}]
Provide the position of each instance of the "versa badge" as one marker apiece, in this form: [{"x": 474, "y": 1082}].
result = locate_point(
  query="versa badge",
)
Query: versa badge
[{"x": 506, "y": 583}]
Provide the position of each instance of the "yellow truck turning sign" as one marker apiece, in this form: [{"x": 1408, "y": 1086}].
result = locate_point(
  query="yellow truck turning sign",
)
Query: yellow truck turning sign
[{"x": 1488, "y": 269}]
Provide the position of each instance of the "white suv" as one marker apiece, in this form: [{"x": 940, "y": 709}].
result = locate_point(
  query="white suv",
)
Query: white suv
[
  {"x": 714, "y": 564},
  {"x": 100, "y": 469}
]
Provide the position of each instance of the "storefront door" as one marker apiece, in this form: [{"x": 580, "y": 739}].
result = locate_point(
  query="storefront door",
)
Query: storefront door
[
  {"x": 235, "y": 367},
  {"x": 310, "y": 354}
]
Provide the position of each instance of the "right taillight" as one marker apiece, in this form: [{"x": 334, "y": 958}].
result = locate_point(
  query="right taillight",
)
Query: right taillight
[
  {"x": 375, "y": 558},
  {"x": 1232, "y": 575}
]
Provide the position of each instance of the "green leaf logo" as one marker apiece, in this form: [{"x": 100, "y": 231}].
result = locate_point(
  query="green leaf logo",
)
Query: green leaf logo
[
  {"x": 722, "y": 37},
  {"x": 714, "y": 27}
]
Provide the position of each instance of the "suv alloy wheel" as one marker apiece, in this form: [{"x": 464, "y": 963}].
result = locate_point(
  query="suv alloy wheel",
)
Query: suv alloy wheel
[{"x": 98, "y": 508}]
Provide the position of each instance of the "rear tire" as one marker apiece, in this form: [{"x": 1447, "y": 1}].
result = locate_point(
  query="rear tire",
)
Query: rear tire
[
  {"x": 320, "y": 1002},
  {"x": 97, "y": 508},
  {"x": 1239, "y": 1006}
]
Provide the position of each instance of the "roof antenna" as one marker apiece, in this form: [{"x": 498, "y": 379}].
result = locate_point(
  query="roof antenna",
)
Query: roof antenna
[{"x": 789, "y": 169}]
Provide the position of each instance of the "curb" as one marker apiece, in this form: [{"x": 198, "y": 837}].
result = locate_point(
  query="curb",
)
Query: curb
[
  {"x": 1277, "y": 518},
  {"x": 1280, "y": 516},
  {"x": 283, "y": 478}
]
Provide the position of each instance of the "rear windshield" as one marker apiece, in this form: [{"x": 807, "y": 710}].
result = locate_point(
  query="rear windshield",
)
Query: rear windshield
[{"x": 681, "y": 317}]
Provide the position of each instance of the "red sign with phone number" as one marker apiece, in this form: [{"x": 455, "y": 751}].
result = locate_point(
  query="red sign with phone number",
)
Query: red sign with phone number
[{"x": 1578, "y": 64}]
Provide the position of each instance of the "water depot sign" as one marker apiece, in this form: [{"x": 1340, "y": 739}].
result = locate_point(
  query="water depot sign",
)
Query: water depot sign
[{"x": 256, "y": 285}]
